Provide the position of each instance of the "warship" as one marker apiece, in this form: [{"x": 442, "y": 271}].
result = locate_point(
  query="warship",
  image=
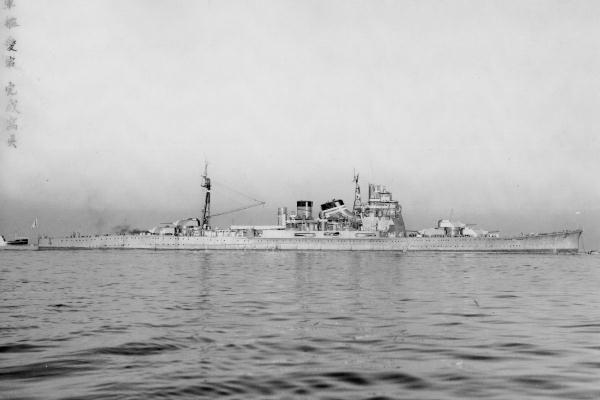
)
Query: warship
[{"x": 372, "y": 225}]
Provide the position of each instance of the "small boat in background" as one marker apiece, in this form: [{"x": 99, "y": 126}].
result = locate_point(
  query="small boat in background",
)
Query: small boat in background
[{"x": 18, "y": 243}]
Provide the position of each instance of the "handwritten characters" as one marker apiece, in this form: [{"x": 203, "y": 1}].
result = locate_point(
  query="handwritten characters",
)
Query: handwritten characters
[
  {"x": 11, "y": 22},
  {"x": 10, "y": 90},
  {"x": 12, "y": 111},
  {"x": 11, "y": 42}
]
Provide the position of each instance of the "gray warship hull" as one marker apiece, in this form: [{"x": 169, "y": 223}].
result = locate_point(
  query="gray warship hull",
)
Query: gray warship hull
[{"x": 556, "y": 242}]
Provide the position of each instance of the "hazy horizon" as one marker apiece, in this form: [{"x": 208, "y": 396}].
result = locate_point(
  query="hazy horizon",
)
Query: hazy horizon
[{"x": 483, "y": 110}]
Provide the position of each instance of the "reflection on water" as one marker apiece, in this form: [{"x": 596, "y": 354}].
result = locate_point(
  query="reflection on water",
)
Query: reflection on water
[{"x": 144, "y": 324}]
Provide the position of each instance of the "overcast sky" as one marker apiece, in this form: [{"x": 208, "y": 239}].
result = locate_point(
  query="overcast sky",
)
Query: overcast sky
[{"x": 471, "y": 108}]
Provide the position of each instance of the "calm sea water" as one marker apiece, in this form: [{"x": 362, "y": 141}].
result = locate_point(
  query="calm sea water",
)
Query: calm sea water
[{"x": 348, "y": 325}]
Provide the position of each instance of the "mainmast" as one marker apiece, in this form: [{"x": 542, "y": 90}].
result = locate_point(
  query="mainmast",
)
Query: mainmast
[{"x": 206, "y": 184}]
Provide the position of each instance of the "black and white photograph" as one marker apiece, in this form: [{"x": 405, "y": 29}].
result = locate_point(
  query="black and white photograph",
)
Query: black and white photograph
[{"x": 284, "y": 199}]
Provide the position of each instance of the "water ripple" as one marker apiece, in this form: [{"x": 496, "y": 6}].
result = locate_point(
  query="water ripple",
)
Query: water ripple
[
  {"x": 237, "y": 325},
  {"x": 135, "y": 349},
  {"x": 21, "y": 348},
  {"x": 48, "y": 369}
]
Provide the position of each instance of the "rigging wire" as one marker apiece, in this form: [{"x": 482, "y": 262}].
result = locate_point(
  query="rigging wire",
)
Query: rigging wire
[
  {"x": 236, "y": 191},
  {"x": 238, "y": 209},
  {"x": 256, "y": 201}
]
